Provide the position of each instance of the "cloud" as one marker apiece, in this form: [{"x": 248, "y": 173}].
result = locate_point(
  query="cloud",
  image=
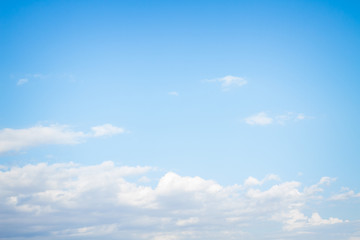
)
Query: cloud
[
  {"x": 259, "y": 119},
  {"x": 317, "y": 220},
  {"x": 27, "y": 77},
  {"x": 17, "y": 139},
  {"x": 188, "y": 221},
  {"x": 300, "y": 116},
  {"x": 33, "y": 77},
  {"x": 251, "y": 181},
  {"x": 316, "y": 188},
  {"x": 22, "y": 81},
  {"x": 294, "y": 219},
  {"x": 173, "y": 93},
  {"x": 263, "y": 118},
  {"x": 290, "y": 116},
  {"x": 106, "y": 130},
  {"x": 229, "y": 82},
  {"x": 346, "y": 194},
  {"x": 71, "y": 201},
  {"x": 354, "y": 238}
]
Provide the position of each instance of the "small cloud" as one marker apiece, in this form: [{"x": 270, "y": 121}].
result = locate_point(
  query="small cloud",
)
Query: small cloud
[
  {"x": 300, "y": 116},
  {"x": 106, "y": 130},
  {"x": 346, "y": 194},
  {"x": 22, "y": 81},
  {"x": 316, "y": 188},
  {"x": 173, "y": 93},
  {"x": 289, "y": 116},
  {"x": 327, "y": 180},
  {"x": 229, "y": 81},
  {"x": 263, "y": 119},
  {"x": 259, "y": 119}
]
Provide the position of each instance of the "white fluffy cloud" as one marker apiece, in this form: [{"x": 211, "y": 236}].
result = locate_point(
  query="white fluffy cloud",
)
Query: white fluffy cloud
[
  {"x": 262, "y": 118},
  {"x": 69, "y": 201},
  {"x": 17, "y": 139},
  {"x": 294, "y": 219}
]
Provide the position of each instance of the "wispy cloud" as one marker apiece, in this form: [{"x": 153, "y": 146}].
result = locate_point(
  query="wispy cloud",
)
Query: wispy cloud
[
  {"x": 17, "y": 139},
  {"x": 22, "y": 81},
  {"x": 55, "y": 201},
  {"x": 30, "y": 77},
  {"x": 229, "y": 82},
  {"x": 173, "y": 93},
  {"x": 188, "y": 221},
  {"x": 259, "y": 119},
  {"x": 262, "y": 118},
  {"x": 346, "y": 194}
]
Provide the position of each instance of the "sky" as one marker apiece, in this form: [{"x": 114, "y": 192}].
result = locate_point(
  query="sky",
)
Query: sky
[{"x": 172, "y": 120}]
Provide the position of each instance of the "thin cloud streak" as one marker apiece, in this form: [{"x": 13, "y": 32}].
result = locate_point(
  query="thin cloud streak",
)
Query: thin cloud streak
[
  {"x": 22, "y": 81},
  {"x": 263, "y": 118},
  {"x": 173, "y": 93},
  {"x": 229, "y": 82}
]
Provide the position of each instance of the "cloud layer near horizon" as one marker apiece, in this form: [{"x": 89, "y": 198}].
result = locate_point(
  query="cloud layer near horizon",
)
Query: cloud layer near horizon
[
  {"x": 69, "y": 201},
  {"x": 17, "y": 139}
]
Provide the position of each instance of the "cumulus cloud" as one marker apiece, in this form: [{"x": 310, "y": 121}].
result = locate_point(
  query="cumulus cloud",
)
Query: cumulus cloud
[
  {"x": 229, "y": 82},
  {"x": 17, "y": 139},
  {"x": 70, "y": 201},
  {"x": 294, "y": 219},
  {"x": 262, "y": 118},
  {"x": 317, "y": 220}
]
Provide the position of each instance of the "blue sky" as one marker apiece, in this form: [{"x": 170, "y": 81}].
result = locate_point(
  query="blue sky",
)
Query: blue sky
[{"x": 212, "y": 94}]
